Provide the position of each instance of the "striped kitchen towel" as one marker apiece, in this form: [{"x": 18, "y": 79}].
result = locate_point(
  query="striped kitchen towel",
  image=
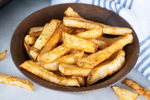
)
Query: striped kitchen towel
[{"x": 136, "y": 13}]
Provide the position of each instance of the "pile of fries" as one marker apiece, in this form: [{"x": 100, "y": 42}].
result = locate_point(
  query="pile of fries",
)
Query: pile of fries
[{"x": 75, "y": 52}]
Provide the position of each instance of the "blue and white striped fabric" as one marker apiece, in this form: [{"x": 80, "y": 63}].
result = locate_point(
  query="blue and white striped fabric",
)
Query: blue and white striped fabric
[{"x": 129, "y": 10}]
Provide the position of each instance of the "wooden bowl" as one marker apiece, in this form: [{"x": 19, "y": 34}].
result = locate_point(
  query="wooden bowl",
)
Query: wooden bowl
[{"x": 94, "y": 13}]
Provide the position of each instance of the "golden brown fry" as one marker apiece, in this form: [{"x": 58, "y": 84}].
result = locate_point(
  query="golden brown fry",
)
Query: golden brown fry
[
  {"x": 47, "y": 32},
  {"x": 80, "y": 79},
  {"x": 74, "y": 42},
  {"x": 29, "y": 40},
  {"x": 101, "y": 44},
  {"x": 107, "y": 68},
  {"x": 54, "y": 54},
  {"x": 83, "y": 23},
  {"x": 94, "y": 33},
  {"x": 96, "y": 58},
  {"x": 3, "y": 54},
  {"x": 80, "y": 23},
  {"x": 71, "y": 58},
  {"x": 116, "y": 30},
  {"x": 47, "y": 75},
  {"x": 12, "y": 80},
  {"x": 35, "y": 31},
  {"x": 33, "y": 53},
  {"x": 124, "y": 94},
  {"x": 53, "y": 41},
  {"x": 78, "y": 30},
  {"x": 138, "y": 88},
  {"x": 70, "y": 12},
  {"x": 74, "y": 70},
  {"x": 53, "y": 66}
]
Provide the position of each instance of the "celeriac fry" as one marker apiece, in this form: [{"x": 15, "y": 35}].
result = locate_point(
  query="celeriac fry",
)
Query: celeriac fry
[
  {"x": 71, "y": 58},
  {"x": 96, "y": 58},
  {"x": 3, "y": 54},
  {"x": 47, "y": 75},
  {"x": 80, "y": 23},
  {"x": 35, "y": 31},
  {"x": 33, "y": 53},
  {"x": 124, "y": 94},
  {"x": 54, "y": 54},
  {"x": 101, "y": 44},
  {"x": 138, "y": 88},
  {"x": 53, "y": 41},
  {"x": 74, "y": 42},
  {"x": 29, "y": 40},
  {"x": 80, "y": 79},
  {"x": 116, "y": 30},
  {"x": 70, "y": 12},
  {"x": 53, "y": 66},
  {"x": 107, "y": 68},
  {"x": 12, "y": 80},
  {"x": 47, "y": 32},
  {"x": 83, "y": 23},
  {"x": 94, "y": 33},
  {"x": 74, "y": 70},
  {"x": 78, "y": 30}
]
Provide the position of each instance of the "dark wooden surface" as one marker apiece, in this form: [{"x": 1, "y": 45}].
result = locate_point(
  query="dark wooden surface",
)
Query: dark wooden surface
[{"x": 90, "y": 12}]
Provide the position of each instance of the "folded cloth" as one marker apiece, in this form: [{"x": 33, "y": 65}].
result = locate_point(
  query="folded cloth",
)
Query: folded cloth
[{"x": 136, "y": 13}]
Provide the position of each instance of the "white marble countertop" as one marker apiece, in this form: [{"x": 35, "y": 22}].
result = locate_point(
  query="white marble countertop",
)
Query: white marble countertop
[{"x": 10, "y": 17}]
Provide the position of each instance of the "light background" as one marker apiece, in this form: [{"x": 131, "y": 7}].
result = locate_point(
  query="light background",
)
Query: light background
[{"x": 10, "y": 17}]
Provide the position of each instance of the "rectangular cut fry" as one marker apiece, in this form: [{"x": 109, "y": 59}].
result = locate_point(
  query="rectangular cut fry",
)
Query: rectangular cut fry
[
  {"x": 74, "y": 42},
  {"x": 116, "y": 30},
  {"x": 35, "y": 31},
  {"x": 96, "y": 58},
  {"x": 83, "y": 23},
  {"x": 47, "y": 32},
  {"x": 29, "y": 40},
  {"x": 53, "y": 41},
  {"x": 12, "y": 80},
  {"x": 107, "y": 68},
  {"x": 47, "y": 75},
  {"x": 3, "y": 54},
  {"x": 80, "y": 23},
  {"x": 71, "y": 58},
  {"x": 101, "y": 44},
  {"x": 138, "y": 88},
  {"x": 74, "y": 70},
  {"x": 124, "y": 94},
  {"x": 94, "y": 33},
  {"x": 54, "y": 54},
  {"x": 33, "y": 53},
  {"x": 53, "y": 66},
  {"x": 70, "y": 12}
]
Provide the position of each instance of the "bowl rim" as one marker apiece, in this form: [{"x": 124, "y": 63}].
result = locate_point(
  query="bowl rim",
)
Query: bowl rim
[{"x": 72, "y": 89}]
